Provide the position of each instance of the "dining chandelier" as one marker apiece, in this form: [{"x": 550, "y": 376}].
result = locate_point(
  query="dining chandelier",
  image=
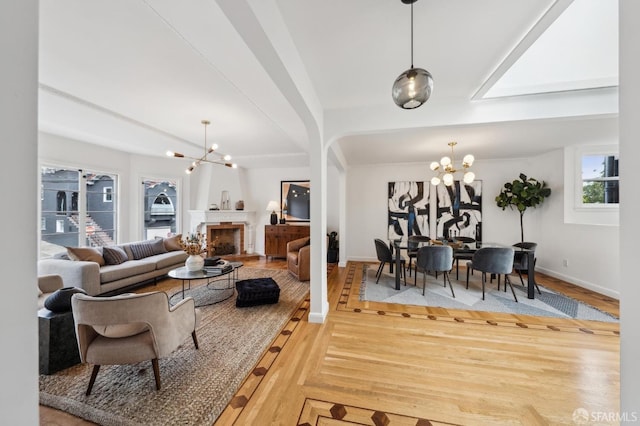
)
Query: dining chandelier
[
  {"x": 446, "y": 169},
  {"x": 413, "y": 87},
  {"x": 216, "y": 157}
]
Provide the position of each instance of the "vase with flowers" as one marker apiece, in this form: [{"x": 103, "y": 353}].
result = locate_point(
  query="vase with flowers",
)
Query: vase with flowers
[{"x": 194, "y": 244}]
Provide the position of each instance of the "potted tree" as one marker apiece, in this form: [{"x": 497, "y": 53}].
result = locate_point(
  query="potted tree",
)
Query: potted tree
[
  {"x": 332, "y": 247},
  {"x": 521, "y": 194}
]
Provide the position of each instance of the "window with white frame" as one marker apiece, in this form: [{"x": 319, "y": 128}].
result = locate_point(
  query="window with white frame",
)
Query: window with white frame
[
  {"x": 600, "y": 180},
  {"x": 592, "y": 172},
  {"x": 78, "y": 208},
  {"x": 160, "y": 201},
  {"x": 107, "y": 195}
]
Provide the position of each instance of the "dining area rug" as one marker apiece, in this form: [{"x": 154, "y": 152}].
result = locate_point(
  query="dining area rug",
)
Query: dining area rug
[
  {"x": 196, "y": 384},
  {"x": 548, "y": 304}
]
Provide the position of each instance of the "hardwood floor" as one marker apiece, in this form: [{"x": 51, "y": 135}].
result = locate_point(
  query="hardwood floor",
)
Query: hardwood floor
[{"x": 386, "y": 364}]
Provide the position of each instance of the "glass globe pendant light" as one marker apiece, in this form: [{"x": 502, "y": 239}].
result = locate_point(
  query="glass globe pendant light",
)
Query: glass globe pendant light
[{"x": 413, "y": 87}]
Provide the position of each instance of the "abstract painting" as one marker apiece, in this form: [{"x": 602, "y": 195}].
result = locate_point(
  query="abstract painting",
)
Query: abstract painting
[
  {"x": 408, "y": 206},
  {"x": 459, "y": 210}
]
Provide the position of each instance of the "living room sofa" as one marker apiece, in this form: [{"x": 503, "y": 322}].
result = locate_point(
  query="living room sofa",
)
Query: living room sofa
[{"x": 102, "y": 270}]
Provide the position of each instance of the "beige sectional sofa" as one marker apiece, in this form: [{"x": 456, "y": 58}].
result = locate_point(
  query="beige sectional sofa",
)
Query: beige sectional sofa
[{"x": 97, "y": 272}]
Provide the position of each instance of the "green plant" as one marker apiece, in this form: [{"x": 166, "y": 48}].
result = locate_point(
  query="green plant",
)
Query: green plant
[{"x": 522, "y": 194}]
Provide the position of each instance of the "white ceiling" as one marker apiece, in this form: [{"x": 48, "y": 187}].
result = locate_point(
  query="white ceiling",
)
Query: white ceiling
[{"x": 140, "y": 75}]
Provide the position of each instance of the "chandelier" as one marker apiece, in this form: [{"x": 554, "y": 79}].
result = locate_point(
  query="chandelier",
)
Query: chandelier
[
  {"x": 446, "y": 168},
  {"x": 413, "y": 87},
  {"x": 216, "y": 158}
]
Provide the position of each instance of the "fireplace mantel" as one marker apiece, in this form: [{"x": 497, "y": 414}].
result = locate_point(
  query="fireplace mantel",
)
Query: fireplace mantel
[{"x": 200, "y": 217}]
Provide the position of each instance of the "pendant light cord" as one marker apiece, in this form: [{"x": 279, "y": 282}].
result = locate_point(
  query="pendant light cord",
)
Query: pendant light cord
[{"x": 412, "y": 35}]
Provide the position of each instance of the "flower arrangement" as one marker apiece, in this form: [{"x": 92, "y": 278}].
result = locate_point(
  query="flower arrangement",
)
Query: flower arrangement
[{"x": 194, "y": 243}]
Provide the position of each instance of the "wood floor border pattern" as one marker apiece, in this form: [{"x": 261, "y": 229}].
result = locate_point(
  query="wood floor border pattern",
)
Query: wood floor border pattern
[
  {"x": 316, "y": 412},
  {"x": 349, "y": 301},
  {"x": 239, "y": 401}
]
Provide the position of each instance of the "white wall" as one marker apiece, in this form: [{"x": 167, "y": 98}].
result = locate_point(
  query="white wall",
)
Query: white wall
[
  {"x": 18, "y": 133},
  {"x": 263, "y": 185},
  {"x": 629, "y": 151},
  {"x": 591, "y": 251}
]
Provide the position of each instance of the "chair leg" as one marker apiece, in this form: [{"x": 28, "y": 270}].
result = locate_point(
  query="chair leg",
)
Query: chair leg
[
  {"x": 507, "y": 280},
  {"x": 468, "y": 277},
  {"x": 404, "y": 273},
  {"x": 195, "y": 339},
  {"x": 380, "y": 268},
  {"x": 424, "y": 281},
  {"x": 156, "y": 372},
  {"x": 522, "y": 281},
  {"x": 446, "y": 275},
  {"x": 92, "y": 380},
  {"x": 484, "y": 278}
]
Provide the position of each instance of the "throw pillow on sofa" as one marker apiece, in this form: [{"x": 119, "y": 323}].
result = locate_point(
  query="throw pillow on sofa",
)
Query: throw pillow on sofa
[
  {"x": 89, "y": 254},
  {"x": 147, "y": 248},
  {"x": 172, "y": 243},
  {"x": 114, "y": 255}
]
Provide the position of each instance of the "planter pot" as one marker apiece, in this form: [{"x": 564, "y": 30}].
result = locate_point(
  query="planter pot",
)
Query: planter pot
[
  {"x": 194, "y": 262},
  {"x": 332, "y": 256}
]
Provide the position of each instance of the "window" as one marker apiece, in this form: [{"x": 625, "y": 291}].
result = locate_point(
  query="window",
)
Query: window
[
  {"x": 591, "y": 185},
  {"x": 107, "y": 196},
  {"x": 91, "y": 218},
  {"x": 600, "y": 181},
  {"x": 160, "y": 207}
]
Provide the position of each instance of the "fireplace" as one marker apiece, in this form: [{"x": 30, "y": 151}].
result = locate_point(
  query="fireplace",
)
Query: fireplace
[{"x": 225, "y": 239}]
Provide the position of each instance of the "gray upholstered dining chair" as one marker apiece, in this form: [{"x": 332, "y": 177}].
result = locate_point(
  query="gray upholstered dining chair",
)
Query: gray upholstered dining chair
[
  {"x": 385, "y": 256},
  {"x": 521, "y": 260},
  {"x": 413, "y": 242},
  {"x": 493, "y": 260},
  {"x": 461, "y": 254},
  {"x": 437, "y": 259},
  {"x": 131, "y": 328}
]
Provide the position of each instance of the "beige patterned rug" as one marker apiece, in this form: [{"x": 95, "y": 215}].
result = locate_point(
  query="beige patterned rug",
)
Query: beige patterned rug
[{"x": 196, "y": 384}]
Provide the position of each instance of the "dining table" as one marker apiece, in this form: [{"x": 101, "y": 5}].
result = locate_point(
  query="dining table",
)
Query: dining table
[{"x": 399, "y": 244}]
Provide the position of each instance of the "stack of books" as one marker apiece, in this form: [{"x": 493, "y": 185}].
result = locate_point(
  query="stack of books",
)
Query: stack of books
[{"x": 221, "y": 267}]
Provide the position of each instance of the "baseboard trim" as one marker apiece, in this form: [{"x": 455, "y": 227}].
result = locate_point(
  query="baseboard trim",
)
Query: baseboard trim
[{"x": 584, "y": 284}]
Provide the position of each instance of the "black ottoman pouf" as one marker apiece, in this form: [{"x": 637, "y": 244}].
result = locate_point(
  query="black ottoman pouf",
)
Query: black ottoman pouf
[{"x": 257, "y": 291}]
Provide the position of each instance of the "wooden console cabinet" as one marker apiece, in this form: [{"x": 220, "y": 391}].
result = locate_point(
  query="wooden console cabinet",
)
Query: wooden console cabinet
[{"x": 276, "y": 238}]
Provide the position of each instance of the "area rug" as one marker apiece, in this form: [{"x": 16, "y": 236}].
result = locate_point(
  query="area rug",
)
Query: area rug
[
  {"x": 196, "y": 384},
  {"x": 547, "y": 304}
]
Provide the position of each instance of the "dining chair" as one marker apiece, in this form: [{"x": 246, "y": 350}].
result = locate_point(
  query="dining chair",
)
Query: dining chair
[
  {"x": 493, "y": 260},
  {"x": 414, "y": 244},
  {"x": 521, "y": 260},
  {"x": 461, "y": 254},
  {"x": 385, "y": 256},
  {"x": 437, "y": 259}
]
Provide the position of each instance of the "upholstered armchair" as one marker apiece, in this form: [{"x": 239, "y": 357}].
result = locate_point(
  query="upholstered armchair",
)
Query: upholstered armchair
[
  {"x": 131, "y": 328},
  {"x": 299, "y": 258},
  {"x": 47, "y": 284}
]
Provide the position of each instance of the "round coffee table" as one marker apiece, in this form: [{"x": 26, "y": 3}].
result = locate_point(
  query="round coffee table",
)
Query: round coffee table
[{"x": 217, "y": 280}]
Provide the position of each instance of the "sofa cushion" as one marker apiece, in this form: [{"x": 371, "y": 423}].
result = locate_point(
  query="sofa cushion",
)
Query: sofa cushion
[
  {"x": 127, "y": 269},
  {"x": 147, "y": 248},
  {"x": 89, "y": 254},
  {"x": 114, "y": 255},
  {"x": 172, "y": 243},
  {"x": 171, "y": 258}
]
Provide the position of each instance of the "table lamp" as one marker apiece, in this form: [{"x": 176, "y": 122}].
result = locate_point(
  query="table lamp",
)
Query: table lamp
[{"x": 273, "y": 206}]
